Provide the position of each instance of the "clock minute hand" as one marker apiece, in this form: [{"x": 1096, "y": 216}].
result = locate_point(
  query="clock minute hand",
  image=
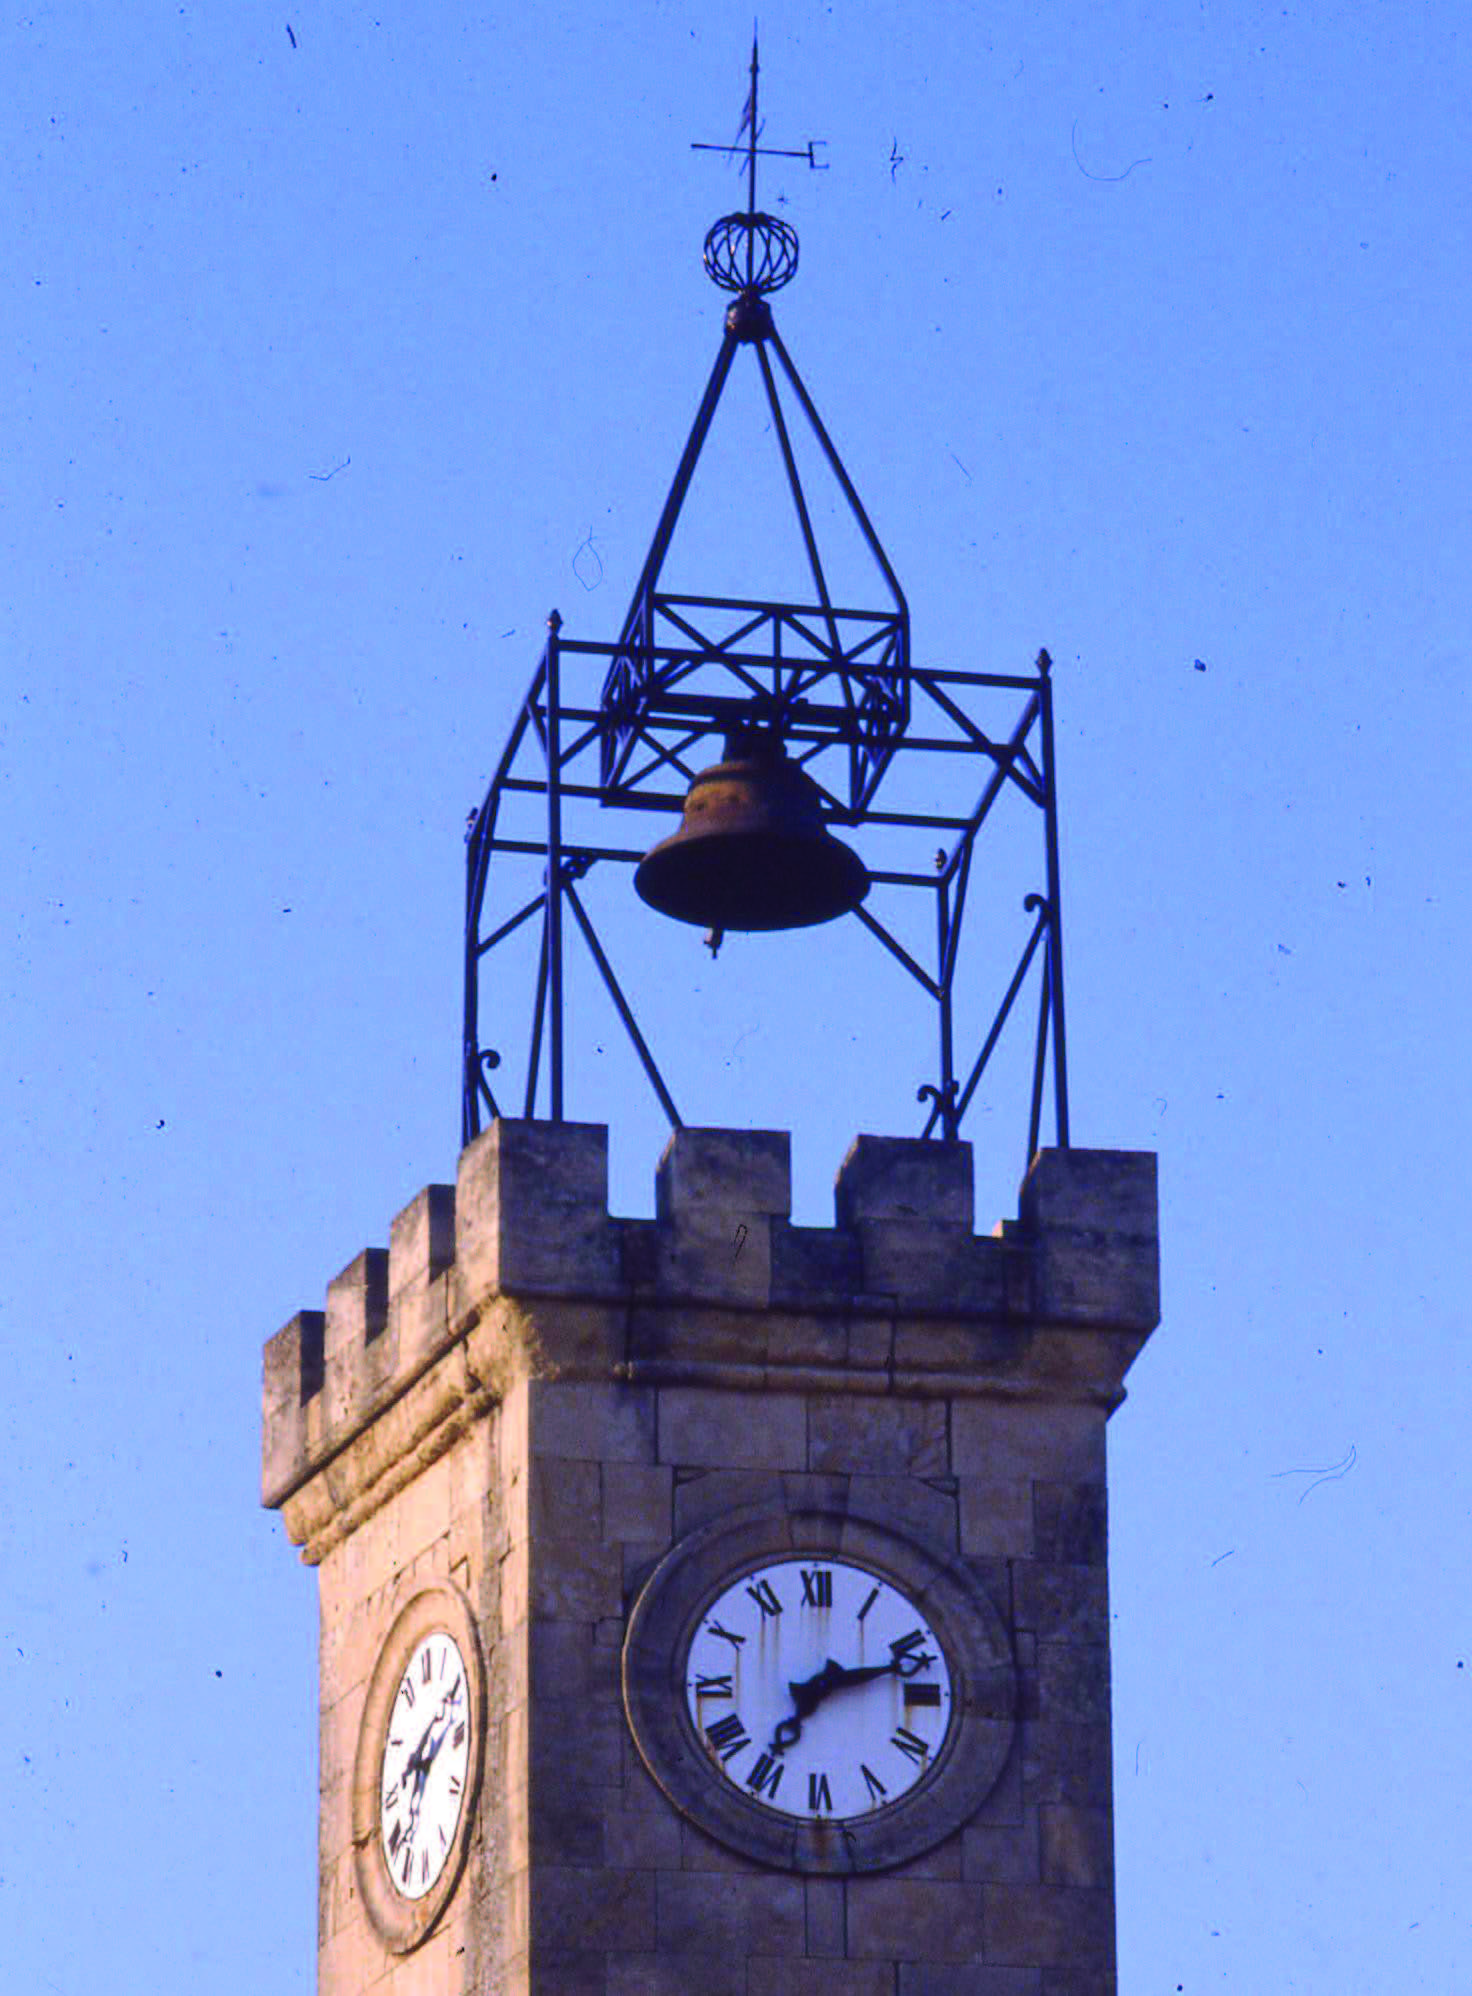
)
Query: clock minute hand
[{"x": 864, "y": 1673}]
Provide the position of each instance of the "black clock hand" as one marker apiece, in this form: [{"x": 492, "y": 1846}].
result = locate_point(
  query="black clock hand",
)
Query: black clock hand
[
  {"x": 422, "y": 1758},
  {"x": 811, "y": 1692},
  {"x": 442, "y": 1719}
]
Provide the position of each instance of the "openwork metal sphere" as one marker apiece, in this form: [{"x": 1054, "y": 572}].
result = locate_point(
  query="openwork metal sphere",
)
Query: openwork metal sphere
[{"x": 773, "y": 253}]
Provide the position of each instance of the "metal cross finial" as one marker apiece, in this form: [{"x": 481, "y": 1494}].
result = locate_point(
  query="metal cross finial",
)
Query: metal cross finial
[{"x": 752, "y": 252}]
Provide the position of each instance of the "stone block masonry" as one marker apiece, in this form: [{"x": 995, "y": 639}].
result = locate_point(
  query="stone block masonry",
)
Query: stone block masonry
[{"x": 530, "y": 1399}]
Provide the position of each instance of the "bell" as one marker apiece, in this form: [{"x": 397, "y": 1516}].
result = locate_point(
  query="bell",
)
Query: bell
[{"x": 752, "y": 851}]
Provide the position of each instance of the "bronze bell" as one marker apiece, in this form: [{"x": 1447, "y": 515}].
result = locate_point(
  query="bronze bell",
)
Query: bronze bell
[{"x": 752, "y": 851}]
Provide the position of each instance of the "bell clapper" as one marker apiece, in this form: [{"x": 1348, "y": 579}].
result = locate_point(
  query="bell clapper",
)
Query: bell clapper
[{"x": 713, "y": 938}]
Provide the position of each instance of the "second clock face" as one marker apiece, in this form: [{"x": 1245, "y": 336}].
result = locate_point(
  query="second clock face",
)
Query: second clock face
[
  {"x": 426, "y": 1755},
  {"x": 817, "y": 1688}
]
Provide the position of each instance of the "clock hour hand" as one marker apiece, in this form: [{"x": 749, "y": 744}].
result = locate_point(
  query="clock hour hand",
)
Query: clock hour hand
[{"x": 808, "y": 1695}]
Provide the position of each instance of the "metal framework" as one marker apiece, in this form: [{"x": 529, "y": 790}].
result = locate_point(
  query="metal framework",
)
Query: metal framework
[{"x": 626, "y": 726}]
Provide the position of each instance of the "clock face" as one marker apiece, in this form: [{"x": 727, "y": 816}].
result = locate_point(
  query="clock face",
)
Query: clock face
[
  {"x": 817, "y": 1688},
  {"x": 426, "y": 1763}
]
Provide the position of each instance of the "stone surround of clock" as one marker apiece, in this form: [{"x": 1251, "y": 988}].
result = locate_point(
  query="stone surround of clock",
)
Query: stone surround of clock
[{"x": 536, "y": 1406}]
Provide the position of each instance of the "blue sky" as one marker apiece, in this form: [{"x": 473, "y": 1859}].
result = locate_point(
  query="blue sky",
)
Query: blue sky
[{"x": 1144, "y": 334}]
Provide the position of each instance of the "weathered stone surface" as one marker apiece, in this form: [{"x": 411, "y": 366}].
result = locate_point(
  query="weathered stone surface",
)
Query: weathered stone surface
[
  {"x": 637, "y": 1501},
  {"x": 1098, "y": 1981},
  {"x": 767, "y": 1976},
  {"x": 728, "y": 1430},
  {"x": 703, "y": 1495},
  {"x": 421, "y": 1240},
  {"x": 905, "y": 1178},
  {"x": 1063, "y": 1761},
  {"x": 641, "y": 1839},
  {"x": 563, "y": 1498},
  {"x": 877, "y": 1437},
  {"x": 1077, "y": 1845},
  {"x": 918, "y": 1503},
  {"x": 1003, "y": 1853},
  {"x": 1092, "y": 1218},
  {"x": 531, "y": 1210},
  {"x": 747, "y": 1171},
  {"x": 814, "y": 1266},
  {"x": 574, "y": 1909},
  {"x": 1071, "y": 1522},
  {"x": 1062, "y": 1604},
  {"x": 357, "y": 1310},
  {"x": 574, "y": 1580},
  {"x": 292, "y": 1376},
  {"x": 1073, "y": 1682},
  {"x": 824, "y": 1898},
  {"x": 675, "y": 1975},
  {"x": 1048, "y": 1925},
  {"x": 760, "y": 1913},
  {"x": 996, "y": 1516},
  {"x": 1027, "y": 1440},
  {"x": 592, "y": 1422},
  {"x": 909, "y": 1919},
  {"x": 932, "y": 1264},
  {"x": 918, "y": 1978}
]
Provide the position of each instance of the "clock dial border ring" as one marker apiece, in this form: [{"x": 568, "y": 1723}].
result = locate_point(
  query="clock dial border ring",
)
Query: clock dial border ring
[
  {"x": 943, "y": 1589},
  {"x": 438, "y": 1608}
]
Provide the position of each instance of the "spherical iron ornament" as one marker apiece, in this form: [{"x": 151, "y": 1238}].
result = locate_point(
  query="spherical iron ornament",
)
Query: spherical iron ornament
[{"x": 770, "y": 243}]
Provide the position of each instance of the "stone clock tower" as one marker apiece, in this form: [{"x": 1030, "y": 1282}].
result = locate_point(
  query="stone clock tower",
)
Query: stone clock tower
[
  {"x": 713, "y": 1606},
  {"x": 589, "y": 1470}
]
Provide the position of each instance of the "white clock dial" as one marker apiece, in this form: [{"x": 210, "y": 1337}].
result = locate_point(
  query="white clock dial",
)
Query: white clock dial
[
  {"x": 426, "y": 1762},
  {"x": 817, "y": 1688}
]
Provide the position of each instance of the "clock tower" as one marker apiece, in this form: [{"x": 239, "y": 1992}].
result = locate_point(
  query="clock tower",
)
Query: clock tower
[{"x": 710, "y": 1603}]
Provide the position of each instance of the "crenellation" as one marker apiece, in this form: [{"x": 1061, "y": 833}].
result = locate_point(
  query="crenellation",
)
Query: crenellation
[
  {"x": 421, "y": 1240},
  {"x": 531, "y": 1212},
  {"x": 816, "y": 1268},
  {"x": 906, "y": 1178},
  {"x": 938, "y": 1263},
  {"x": 746, "y": 1173},
  {"x": 519, "y": 1269}
]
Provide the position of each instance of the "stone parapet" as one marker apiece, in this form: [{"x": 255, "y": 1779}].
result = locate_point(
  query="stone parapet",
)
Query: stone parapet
[{"x": 900, "y": 1296}]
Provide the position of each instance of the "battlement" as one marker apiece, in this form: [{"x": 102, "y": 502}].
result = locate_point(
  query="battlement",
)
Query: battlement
[{"x": 520, "y": 1265}]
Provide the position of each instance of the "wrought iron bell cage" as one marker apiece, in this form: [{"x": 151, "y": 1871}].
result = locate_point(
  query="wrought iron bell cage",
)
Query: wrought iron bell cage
[{"x": 624, "y": 726}]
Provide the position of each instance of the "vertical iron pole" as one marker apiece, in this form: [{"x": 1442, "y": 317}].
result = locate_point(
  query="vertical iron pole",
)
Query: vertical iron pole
[
  {"x": 554, "y": 856},
  {"x": 949, "y": 1119},
  {"x": 1039, "y": 1065},
  {"x": 470, "y": 1018},
  {"x": 1055, "y": 907}
]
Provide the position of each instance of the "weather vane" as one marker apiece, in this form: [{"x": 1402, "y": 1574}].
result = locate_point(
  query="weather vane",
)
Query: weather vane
[{"x": 752, "y": 253}]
